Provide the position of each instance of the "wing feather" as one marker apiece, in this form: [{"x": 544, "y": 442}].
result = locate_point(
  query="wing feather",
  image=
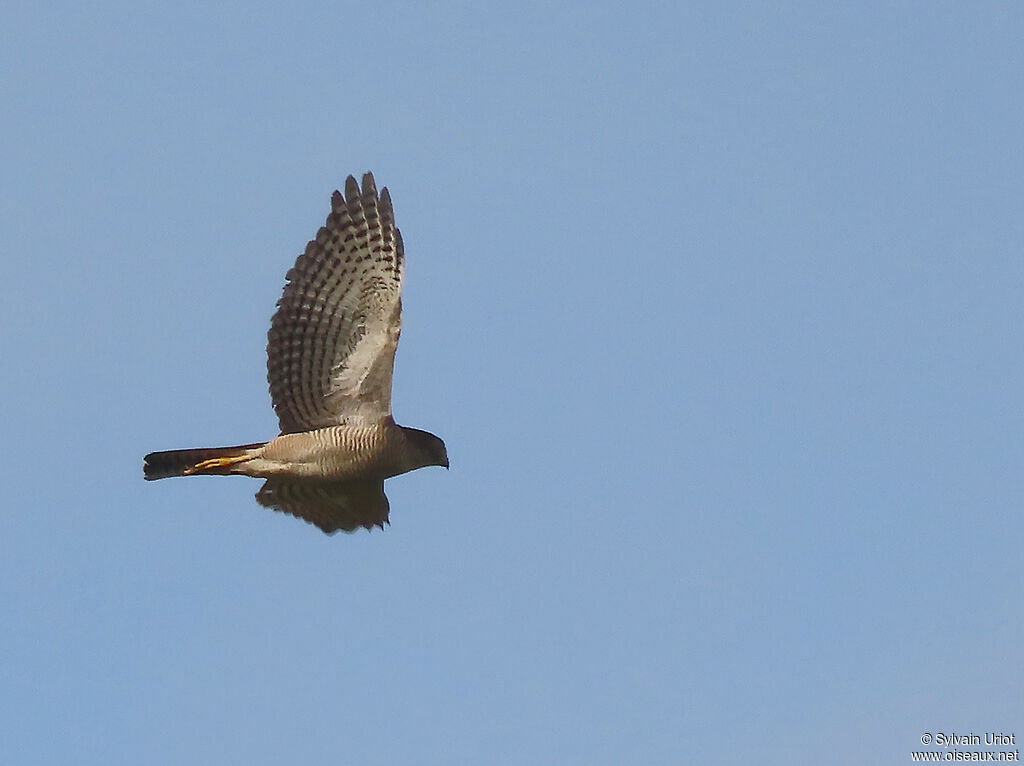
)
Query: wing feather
[
  {"x": 330, "y": 505},
  {"x": 331, "y": 345}
]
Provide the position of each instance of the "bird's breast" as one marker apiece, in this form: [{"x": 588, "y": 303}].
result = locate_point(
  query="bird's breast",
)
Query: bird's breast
[{"x": 337, "y": 452}]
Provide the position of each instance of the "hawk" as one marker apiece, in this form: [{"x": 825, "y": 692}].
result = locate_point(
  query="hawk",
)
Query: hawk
[{"x": 330, "y": 357}]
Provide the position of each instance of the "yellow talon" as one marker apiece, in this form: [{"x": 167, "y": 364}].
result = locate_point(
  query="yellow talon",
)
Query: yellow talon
[{"x": 215, "y": 462}]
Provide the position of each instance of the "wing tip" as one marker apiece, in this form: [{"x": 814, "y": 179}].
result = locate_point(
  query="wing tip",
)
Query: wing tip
[
  {"x": 353, "y": 192},
  {"x": 351, "y": 188},
  {"x": 369, "y": 185}
]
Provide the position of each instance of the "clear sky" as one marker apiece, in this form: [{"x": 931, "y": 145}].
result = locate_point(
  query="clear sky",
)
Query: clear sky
[{"x": 717, "y": 307}]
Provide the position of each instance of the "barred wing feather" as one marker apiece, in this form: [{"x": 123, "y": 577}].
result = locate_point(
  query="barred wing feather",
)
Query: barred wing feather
[{"x": 332, "y": 341}]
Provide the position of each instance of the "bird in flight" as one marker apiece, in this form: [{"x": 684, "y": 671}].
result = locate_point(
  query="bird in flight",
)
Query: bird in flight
[{"x": 330, "y": 357}]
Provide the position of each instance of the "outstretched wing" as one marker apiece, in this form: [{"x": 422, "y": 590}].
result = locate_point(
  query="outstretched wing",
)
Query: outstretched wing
[
  {"x": 330, "y": 505},
  {"x": 331, "y": 345}
]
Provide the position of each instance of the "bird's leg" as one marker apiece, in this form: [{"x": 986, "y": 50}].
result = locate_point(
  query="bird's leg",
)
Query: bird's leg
[{"x": 216, "y": 462}]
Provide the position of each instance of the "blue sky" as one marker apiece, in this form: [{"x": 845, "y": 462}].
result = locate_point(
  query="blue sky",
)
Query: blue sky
[{"x": 717, "y": 308}]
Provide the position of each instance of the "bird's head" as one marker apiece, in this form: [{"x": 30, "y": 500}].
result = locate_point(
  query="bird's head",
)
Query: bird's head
[{"x": 429, "y": 448}]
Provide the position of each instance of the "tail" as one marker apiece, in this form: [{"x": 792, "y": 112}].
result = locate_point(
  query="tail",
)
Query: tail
[{"x": 188, "y": 462}]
